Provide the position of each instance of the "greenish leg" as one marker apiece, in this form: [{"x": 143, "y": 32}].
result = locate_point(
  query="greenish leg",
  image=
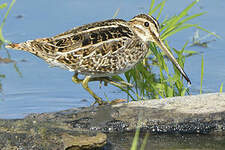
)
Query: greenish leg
[
  {"x": 105, "y": 79},
  {"x": 85, "y": 86},
  {"x": 75, "y": 79},
  {"x": 84, "y": 83},
  {"x": 87, "y": 79}
]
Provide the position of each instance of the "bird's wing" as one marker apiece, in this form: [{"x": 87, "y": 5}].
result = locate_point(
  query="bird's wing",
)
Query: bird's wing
[
  {"x": 105, "y": 58},
  {"x": 87, "y": 36},
  {"x": 93, "y": 47}
]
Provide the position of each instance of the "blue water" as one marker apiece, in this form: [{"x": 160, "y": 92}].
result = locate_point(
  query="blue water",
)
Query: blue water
[{"x": 45, "y": 89}]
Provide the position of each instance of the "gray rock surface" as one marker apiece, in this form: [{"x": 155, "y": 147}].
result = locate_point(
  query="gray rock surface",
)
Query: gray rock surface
[{"x": 87, "y": 127}]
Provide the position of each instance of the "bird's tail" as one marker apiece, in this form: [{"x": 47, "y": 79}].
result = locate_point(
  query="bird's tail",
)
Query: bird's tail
[
  {"x": 26, "y": 46},
  {"x": 37, "y": 47},
  {"x": 12, "y": 46}
]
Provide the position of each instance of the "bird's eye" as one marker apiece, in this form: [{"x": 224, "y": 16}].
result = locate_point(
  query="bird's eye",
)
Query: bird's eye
[{"x": 146, "y": 24}]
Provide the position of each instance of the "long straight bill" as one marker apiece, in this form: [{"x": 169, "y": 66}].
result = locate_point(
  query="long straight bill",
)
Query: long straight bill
[{"x": 160, "y": 43}]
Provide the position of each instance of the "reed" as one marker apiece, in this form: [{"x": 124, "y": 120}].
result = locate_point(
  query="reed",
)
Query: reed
[{"x": 154, "y": 78}]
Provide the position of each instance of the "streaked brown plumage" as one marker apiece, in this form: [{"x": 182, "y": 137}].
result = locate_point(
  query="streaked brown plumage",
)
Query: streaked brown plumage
[{"x": 100, "y": 49}]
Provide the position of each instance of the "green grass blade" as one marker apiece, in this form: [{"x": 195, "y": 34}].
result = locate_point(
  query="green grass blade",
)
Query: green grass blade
[
  {"x": 221, "y": 88},
  {"x": 2, "y": 6},
  {"x": 152, "y": 5},
  {"x": 144, "y": 141},
  {"x": 152, "y": 11},
  {"x": 167, "y": 23},
  {"x": 181, "y": 22},
  {"x": 160, "y": 10},
  {"x": 183, "y": 92},
  {"x": 7, "y": 13},
  {"x": 2, "y": 40},
  {"x": 135, "y": 140},
  {"x": 202, "y": 73},
  {"x": 191, "y": 17},
  {"x": 4, "y": 19},
  {"x": 167, "y": 34},
  {"x": 190, "y": 52},
  {"x": 182, "y": 14},
  {"x": 173, "y": 24}
]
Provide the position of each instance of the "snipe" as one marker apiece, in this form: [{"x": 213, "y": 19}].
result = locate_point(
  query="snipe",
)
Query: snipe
[{"x": 101, "y": 49}]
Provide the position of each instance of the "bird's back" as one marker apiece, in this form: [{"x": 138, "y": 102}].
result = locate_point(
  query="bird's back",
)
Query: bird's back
[{"x": 97, "y": 48}]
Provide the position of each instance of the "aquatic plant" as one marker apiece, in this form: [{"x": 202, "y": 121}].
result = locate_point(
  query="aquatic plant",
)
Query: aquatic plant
[
  {"x": 168, "y": 82},
  {"x": 4, "y": 6},
  {"x": 2, "y": 39}
]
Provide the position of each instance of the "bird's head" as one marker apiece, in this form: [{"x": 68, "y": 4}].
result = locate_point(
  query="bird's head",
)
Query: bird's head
[{"x": 148, "y": 30}]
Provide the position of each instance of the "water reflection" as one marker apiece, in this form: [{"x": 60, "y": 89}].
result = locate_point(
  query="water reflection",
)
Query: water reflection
[
  {"x": 168, "y": 142},
  {"x": 7, "y": 60},
  {"x": 2, "y": 76},
  {"x": 202, "y": 41}
]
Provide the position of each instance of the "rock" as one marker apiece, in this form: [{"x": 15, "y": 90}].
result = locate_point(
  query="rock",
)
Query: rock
[
  {"x": 85, "y": 128},
  {"x": 201, "y": 114},
  {"x": 45, "y": 131},
  {"x": 83, "y": 141}
]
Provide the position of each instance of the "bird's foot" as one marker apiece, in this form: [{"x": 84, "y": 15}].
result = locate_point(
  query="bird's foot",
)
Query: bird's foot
[{"x": 113, "y": 102}]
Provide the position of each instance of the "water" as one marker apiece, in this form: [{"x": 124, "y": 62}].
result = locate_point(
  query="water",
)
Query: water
[
  {"x": 168, "y": 142},
  {"x": 45, "y": 89}
]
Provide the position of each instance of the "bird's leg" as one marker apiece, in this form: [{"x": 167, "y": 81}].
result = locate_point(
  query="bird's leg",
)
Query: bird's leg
[
  {"x": 106, "y": 80},
  {"x": 84, "y": 83},
  {"x": 85, "y": 86},
  {"x": 75, "y": 78}
]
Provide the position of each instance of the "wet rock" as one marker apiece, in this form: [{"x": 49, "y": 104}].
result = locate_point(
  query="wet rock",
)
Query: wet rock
[
  {"x": 46, "y": 131},
  {"x": 83, "y": 141},
  {"x": 202, "y": 114},
  {"x": 86, "y": 128}
]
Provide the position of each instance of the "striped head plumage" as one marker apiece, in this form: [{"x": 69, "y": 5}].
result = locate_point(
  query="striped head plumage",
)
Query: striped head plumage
[{"x": 148, "y": 29}]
